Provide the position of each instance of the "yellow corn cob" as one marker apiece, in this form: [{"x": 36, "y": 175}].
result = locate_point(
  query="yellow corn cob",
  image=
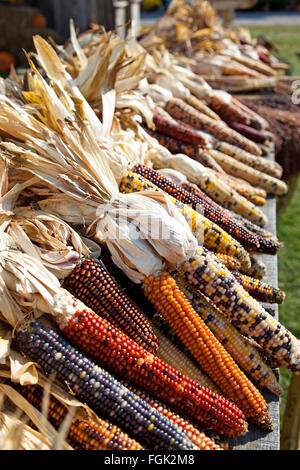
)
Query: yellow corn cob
[
  {"x": 216, "y": 282},
  {"x": 243, "y": 352},
  {"x": 240, "y": 170},
  {"x": 254, "y": 195},
  {"x": 260, "y": 290},
  {"x": 169, "y": 353},
  {"x": 206, "y": 231},
  {"x": 259, "y": 163},
  {"x": 167, "y": 298}
]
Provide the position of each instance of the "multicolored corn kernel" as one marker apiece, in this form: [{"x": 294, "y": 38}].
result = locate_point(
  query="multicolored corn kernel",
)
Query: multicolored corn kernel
[
  {"x": 167, "y": 298},
  {"x": 261, "y": 291},
  {"x": 83, "y": 434},
  {"x": 197, "y": 437},
  {"x": 216, "y": 282},
  {"x": 178, "y": 109},
  {"x": 91, "y": 283},
  {"x": 243, "y": 352},
  {"x": 100, "y": 390},
  {"x": 205, "y": 231}
]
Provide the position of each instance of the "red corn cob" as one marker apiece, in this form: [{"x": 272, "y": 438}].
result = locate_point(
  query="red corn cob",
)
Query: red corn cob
[{"x": 167, "y": 125}]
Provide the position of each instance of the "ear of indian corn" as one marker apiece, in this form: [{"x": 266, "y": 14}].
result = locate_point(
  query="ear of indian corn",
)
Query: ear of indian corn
[
  {"x": 169, "y": 353},
  {"x": 205, "y": 231},
  {"x": 231, "y": 263},
  {"x": 197, "y": 437},
  {"x": 83, "y": 434},
  {"x": 178, "y": 109},
  {"x": 241, "y": 170},
  {"x": 217, "y": 283},
  {"x": 169, "y": 126},
  {"x": 199, "y": 200},
  {"x": 259, "y": 163},
  {"x": 163, "y": 291},
  {"x": 201, "y": 106},
  {"x": 260, "y": 290},
  {"x": 91, "y": 283},
  {"x": 174, "y": 145},
  {"x": 123, "y": 357},
  {"x": 244, "y": 353},
  {"x": 256, "y": 239},
  {"x": 258, "y": 269},
  {"x": 256, "y": 196},
  {"x": 254, "y": 135},
  {"x": 228, "y": 110},
  {"x": 98, "y": 388}
]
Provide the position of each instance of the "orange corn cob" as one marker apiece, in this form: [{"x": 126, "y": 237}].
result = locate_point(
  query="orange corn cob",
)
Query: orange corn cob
[
  {"x": 183, "y": 112},
  {"x": 168, "y": 299},
  {"x": 83, "y": 434},
  {"x": 243, "y": 352},
  {"x": 228, "y": 110},
  {"x": 260, "y": 290}
]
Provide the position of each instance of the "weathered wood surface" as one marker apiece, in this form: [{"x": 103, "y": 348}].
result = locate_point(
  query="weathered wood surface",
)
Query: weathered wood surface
[{"x": 256, "y": 439}]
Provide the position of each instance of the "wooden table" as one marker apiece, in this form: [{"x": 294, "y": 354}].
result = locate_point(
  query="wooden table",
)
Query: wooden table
[{"x": 256, "y": 439}]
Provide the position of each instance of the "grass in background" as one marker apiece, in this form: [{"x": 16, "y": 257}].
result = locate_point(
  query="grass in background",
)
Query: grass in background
[{"x": 287, "y": 41}]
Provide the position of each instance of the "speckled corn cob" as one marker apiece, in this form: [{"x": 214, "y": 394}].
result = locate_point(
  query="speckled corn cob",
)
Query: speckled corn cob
[
  {"x": 257, "y": 121},
  {"x": 228, "y": 111},
  {"x": 258, "y": 269},
  {"x": 260, "y": 290},
  {"x": 197, "y": 201},
  {"x": 240, "y": 170},
  {"x": 91, "y": 283},
  {"x": 174, "y": 145},
  {"x": 178, "y": 109},
  {"x": 207, "y": 274},
  {"x": 169, "y": 353},
  {"x": 228, "y": 198},
  {"x": 83, "y": 434},
  {"x": 201, "y": 106},
  {"x": 245, "y": 354},
  {"x": 196, "y": 436},
  {"x": 259, "y": 163},
  {"x": 205, "y": 231},
  {"x": 254, "y": 135},
  {"x": 99, "y": 389},
  {"x": 126, "y": 359},
  {"x": 167, "y": 298},
  {"x": 256, "y": 196}
]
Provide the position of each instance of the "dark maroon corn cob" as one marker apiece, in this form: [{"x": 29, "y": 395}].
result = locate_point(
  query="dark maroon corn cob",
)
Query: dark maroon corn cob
[
  {"x": 254, "y": 135},
  {"x": 91, "y": 283},
  {"x": 101, "y": 391}
]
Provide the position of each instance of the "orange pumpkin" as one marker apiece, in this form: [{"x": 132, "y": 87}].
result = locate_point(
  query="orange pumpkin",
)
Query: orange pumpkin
[
  {"x": 6, "y": 61},
  {"x": 39, "y": 21}
]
